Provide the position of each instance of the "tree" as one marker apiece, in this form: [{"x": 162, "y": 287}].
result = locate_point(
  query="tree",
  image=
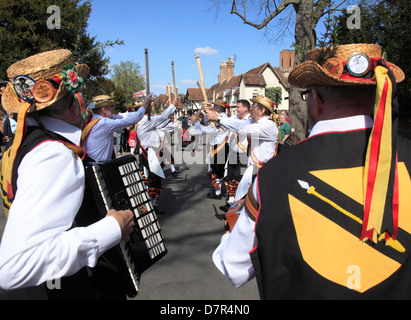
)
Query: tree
[
  {"x": 305, "y": 14},
  {"x": 104, "y": 86},
  {"x": 275, "y": 94},
  {"x": 385, "y": 23},
  {"x": 128, "y": 77},
  {"x": 26, "y": 28}
]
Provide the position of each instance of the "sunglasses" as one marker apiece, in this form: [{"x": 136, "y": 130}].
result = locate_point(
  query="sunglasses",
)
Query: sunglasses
[{"x": 304, "y": 95}]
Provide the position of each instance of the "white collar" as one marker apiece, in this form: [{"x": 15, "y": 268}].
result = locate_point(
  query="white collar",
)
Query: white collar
[
  {"x": 60, "y": 127},
  {"x": 97, "y": 116},
  {"x": 263, "y": 119},
  {"x": 247, "y": 116},
  {"x": 342, "y": 124}
]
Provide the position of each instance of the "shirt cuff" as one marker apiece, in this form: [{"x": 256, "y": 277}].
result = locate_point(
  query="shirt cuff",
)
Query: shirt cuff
[{"x": 107, "y": 232}]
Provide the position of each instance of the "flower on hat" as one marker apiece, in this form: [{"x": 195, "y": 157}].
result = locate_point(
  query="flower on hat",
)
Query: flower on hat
[{"x": 72, "y": 81}]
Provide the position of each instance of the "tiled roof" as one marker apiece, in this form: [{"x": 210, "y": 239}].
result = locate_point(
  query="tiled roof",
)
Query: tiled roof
[
  {"x": 194, "y": 94},
  {"x": 252, "y": 77}
]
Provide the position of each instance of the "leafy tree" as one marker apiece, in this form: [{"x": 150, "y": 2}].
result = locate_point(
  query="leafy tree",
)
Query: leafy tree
[
  {"x": 104, "y": 86},
  {"x": 275, "y": 94},
  {"x": 128, "y": 77},
  {"x": 24, "y": 31},
  {"x": 385, "y": 23}
]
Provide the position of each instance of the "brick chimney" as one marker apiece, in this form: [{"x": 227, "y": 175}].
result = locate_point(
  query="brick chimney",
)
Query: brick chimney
[
  {"x": 230, "y": 68},
  {"x": 287, "y": 59},
  {"x": 226, "y": 70}
]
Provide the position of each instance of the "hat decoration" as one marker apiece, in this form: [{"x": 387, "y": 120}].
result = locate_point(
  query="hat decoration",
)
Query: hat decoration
[
  {"x": 342, "y": 65},
  {"x": 227, "y": 106},
  {"x": 43, "y": 91},
  {"x": 380, "y": 221},
  {"x": 23, "y": 86},
  {"x": 72, "y": 81}
]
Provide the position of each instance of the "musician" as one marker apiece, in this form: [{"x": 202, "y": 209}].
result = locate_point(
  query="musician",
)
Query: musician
[
  {"x": 43, "y": 184},
  {"x": 314, "y": 230},
  {"x": 98, "y": 134},
  {"x": 150, "y": 144},
  {"x": 261, "y": 133},
  {"x": 218, "y": 137}
]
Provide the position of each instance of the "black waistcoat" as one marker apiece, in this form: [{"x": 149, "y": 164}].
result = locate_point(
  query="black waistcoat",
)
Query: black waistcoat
[{"x": 308, "y": 242}]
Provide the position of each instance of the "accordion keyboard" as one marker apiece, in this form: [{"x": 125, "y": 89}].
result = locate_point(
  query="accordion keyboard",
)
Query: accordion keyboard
[
  {"x": 121, "y": 187},
  {"x": 143, "y": 209}
]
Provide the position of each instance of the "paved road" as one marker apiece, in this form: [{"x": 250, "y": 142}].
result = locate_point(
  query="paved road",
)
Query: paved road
[{"x": 191, "y": 232}]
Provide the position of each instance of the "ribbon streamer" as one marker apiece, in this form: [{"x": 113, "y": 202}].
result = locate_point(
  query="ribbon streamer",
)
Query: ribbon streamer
[{"x": 380, "y": 179}]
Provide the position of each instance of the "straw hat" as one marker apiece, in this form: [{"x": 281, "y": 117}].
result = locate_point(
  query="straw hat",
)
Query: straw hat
[
  {"x": 42, "y": 79},
  {"x": 220, "y": 103},
  {"x": 343, "y": 65},
  {"x": 101, "y": 101},
  {"x": 265, "y": 102},
  {"x": 137, "y": 105}
]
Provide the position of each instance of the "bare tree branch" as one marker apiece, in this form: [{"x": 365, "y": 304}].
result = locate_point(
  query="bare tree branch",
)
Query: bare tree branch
[{"x": 270, "y": 17}]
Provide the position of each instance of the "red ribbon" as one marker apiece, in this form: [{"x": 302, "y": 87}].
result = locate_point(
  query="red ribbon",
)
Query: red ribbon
[{"x": 73, "y": 76}]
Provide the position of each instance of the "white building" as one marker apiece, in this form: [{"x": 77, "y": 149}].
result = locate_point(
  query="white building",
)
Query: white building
[{"x": 231, "y": 88}]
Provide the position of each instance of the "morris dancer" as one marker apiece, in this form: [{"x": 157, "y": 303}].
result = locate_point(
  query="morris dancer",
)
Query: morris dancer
[
  {"x": 261, "y": 132},
  {"x": 237, "y": 158},
  {"x": 98, "y": 134},
  {"x": 332, "y": 214},
  {"x": 150, "y": 144},
  {"x": 218, "y": 137}
]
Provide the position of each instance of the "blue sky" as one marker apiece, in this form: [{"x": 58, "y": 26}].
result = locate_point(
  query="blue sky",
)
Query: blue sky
[{"x": 176, "y": 31}]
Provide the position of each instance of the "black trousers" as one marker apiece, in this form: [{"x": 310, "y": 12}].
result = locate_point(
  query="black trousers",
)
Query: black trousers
[{"x": 217, "y": 162}]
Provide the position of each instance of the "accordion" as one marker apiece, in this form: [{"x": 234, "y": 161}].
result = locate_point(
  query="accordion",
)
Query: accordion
[{"x": 118, "y": 184}]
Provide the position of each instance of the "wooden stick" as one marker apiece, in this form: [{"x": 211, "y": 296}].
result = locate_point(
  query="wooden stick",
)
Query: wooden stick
[
  {"x": 147, "y": 81},
  {"x": 212, "y": 123},
  {"x": 169, "y": 92},
  {"x": 174, "y": 79},
  {"x": 147, "y": 73},
  {"x": 202, "y": 88}
]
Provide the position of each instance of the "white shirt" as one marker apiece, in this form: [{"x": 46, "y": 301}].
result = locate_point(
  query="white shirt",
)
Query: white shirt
[
  {"x": 99, "y": 145},
  {"x": 147, "y": 131},
  {"x": 232, "y": 256},
  {"x": 166, "y": 132},
  {"x": 37, "y": 244},
  {"x": 215, "y": 134},
  {"x": 263, "y": 134},
  {"x": 234, "y": 124}
]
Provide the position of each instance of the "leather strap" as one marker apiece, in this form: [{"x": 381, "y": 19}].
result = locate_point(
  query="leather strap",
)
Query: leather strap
[{"x": 251, "y": 206}]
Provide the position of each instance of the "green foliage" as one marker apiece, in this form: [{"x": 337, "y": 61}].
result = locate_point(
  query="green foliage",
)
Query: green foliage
[
  {"x": 24, "y": 32},
  {"x": 385, "y": 23},
  {"x": 127, "y": 76},
  {"x": 274, "y": 94}
]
